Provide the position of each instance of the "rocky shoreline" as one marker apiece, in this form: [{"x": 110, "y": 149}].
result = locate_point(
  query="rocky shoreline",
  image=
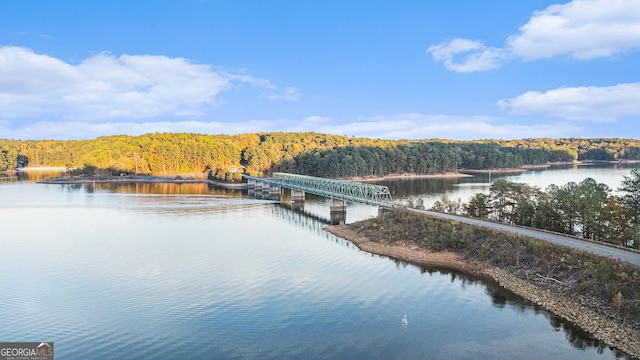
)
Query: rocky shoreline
[{"x": 597, "y": 325}]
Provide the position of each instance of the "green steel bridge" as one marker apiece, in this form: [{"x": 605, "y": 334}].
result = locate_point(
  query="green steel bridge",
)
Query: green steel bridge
[{"x": 370, "y": 194}]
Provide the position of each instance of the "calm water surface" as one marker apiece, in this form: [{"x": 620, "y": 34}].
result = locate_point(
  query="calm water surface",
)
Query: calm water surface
[
  {"x": 431, "y": 190},
  {"x": 167, "y": 271}
]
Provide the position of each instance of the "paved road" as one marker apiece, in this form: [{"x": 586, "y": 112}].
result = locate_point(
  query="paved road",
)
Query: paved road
[{"x": 625, "y": 255}]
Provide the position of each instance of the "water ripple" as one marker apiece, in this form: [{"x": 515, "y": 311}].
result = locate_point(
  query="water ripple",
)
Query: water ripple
[{"x": 211, "y": 276}]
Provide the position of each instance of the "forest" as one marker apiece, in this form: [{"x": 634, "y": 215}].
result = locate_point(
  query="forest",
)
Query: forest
[
  {"x": 586, "y": 209},
  {"x": 304, "y": 153}
]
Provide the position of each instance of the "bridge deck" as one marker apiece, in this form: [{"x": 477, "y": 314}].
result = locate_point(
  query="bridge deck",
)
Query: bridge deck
[{"x": 370, "y": 194}]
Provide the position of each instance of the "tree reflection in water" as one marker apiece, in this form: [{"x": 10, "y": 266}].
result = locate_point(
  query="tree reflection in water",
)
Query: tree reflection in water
[{"x": 502, "y": 298}]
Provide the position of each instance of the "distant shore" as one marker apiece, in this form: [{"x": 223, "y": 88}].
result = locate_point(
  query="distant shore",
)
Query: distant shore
[
  {"x": 42, "y": 168},
  {"x": 406, "y": 176},
  {"x": 471, "y": 172},
  {"x": 459, "y": 173},
  {"x": 223, "y": 184},
  {"x": 189, "y": 178},
  {"x": 176, "y": 179}
]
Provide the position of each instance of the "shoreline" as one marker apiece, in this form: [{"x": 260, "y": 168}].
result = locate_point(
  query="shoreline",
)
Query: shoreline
[
  {"x": 406, "y": 176},
  {"x": 459, "y": 173},
  {"x": 595, "y": 324},
  {"x": 141, "y": 179},
  {"x": 42, "y": 168},
  {"x": 496, "y": 171}
]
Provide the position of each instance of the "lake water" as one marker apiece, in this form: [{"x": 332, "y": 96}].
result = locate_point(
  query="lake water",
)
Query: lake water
[
  {"x": 168, "y": 271},
  {"x": 431, "y": 190}
]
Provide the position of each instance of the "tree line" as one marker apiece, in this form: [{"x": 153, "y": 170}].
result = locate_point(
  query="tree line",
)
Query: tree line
[
  {"x": 599, "y": 149},
  {"x": 586, "y": 209},
  {"x": 417, "y": 158},
  {"x": 304, "y": 153}
]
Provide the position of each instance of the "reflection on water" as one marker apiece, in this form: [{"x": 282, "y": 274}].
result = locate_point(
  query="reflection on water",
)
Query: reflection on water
[
  {"x": 32, "y": 176},
  {"x": 500, "y": 297},
  {"x": 159, "y": 188},
  {"x": 187, "y": 271}
]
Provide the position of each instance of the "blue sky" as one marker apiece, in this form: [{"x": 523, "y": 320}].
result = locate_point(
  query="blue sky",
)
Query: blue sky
[{"x": 383, "y": 69}]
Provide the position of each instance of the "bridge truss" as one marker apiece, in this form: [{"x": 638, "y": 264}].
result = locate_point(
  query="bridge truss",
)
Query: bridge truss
[{"x": 370, "y": 194}]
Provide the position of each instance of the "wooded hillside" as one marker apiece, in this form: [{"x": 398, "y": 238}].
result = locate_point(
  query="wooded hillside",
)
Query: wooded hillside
[{"x": 305, "y": 153}]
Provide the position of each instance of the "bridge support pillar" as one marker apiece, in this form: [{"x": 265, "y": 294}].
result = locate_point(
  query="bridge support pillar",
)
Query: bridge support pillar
[
  {"x": 251, "y": 187},
  {"x": 266, "y": 191},
  {"x": 338, "y": 210},
  {"x": 297, "y": 195},
  {"x": 273, "y": 193},
  {"x": 270, "y": 192}
]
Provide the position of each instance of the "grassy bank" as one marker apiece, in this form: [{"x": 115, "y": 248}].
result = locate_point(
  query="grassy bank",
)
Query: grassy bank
[{"x": 588, "y": 285}]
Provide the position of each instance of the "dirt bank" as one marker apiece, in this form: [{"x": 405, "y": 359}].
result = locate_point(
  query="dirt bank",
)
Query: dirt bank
[
  {"x": 406, "y": 251},
  {"x": 598, "y": 325}
]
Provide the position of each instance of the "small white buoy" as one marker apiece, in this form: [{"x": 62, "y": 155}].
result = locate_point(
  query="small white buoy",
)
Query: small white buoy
[{"x": 405, "y": 321}]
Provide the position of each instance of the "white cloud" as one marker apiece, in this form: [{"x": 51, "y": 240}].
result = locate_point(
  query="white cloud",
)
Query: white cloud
[
  {"x": 582, "y": 29},
  {"x": 479, "y": 57},
  {"x": 290, "y": 93},
  {"x": 426, "y": 126},
  {"x": 72, "y": 130},
  {"x": 105, "y": 87},
  {"x": 579, "y": 103},
  {"x": 400, "y": 126},
  {"x": 254, "y": 82}
]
